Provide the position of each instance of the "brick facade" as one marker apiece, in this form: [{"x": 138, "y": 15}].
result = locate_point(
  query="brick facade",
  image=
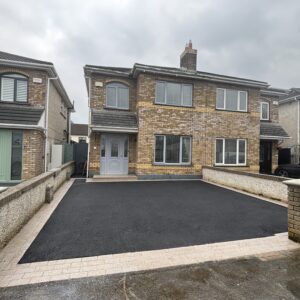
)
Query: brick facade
[
  {"x": 293, "y": 210},
  {"x": 201, "y": 121},
  {"x": 33, "y": 153},
  {"x": 98, "y": 94}
]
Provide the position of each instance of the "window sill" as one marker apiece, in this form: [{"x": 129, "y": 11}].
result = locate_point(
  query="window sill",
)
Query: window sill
[
  {"x": 227, "y": 110},
  {"x": 14, "y": 102},
  {"x": 172, "y": 165},
  {"x": 115, "y": 108},
  {"x": 231, "y": 165},
  {"x": 164, "y": 104},
  {"x": 265, "y": 120}
]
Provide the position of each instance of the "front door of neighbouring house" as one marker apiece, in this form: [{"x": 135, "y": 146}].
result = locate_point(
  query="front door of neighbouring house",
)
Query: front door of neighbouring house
[
  {"x": 5, "y": 154},
  {"x": 114, "y": 154},
  {"x": 11, "y": 153},
  {"x": 265, "y": 157}
]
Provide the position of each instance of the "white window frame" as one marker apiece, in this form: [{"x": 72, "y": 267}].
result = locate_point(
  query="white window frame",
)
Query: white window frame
[
  {"x": 237, "y": 151},
  {"x": 261, "y": 115},
  {"x": 238, "y": 104},
  {"x": 116, "y": 85},
  {"x": 180, "y": 151},
  {"x": 165, "y": 83}
]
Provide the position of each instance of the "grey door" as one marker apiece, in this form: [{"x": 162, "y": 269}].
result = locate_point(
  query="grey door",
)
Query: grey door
[{"x": 114, "y": 154}]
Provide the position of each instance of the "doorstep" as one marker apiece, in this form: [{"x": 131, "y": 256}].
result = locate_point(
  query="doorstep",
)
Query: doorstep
[{"x": 112, "y": 178}]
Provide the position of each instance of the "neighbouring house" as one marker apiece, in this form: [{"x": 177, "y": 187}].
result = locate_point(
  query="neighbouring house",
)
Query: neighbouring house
[
  {"x": 272, "y": 135},
  {"x": 156, "y": 121},
  {"x": 34, "y": 115},
  {"x": 79, "y": 133},
  {"x": 289, "y": 118}
]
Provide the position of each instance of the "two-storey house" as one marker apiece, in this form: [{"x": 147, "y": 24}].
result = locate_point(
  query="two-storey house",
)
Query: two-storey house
[
  {"x": 169, "y": 122},
  {"x": 34, "y": 114},
  {"x": 289, "y": 118},
  {"x": 272, "y": 135}
]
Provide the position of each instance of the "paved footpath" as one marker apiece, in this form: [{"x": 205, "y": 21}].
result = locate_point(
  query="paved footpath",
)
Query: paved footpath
[
  {"x": 13, "y": 274},
  {"x": 274, "y": 275}
]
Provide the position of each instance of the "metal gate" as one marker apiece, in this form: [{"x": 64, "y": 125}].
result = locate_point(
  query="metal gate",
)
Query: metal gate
[{"x": 80, "y": 151}]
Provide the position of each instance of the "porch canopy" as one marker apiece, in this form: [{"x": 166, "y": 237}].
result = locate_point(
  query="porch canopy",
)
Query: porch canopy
[
  {"x": 21, "y": 117},
  {"x": 272, "y": 131},
  {"x": 113, "y": 121}
]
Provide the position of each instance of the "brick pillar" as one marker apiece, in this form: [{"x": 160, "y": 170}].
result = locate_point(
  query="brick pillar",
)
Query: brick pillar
[{"x": 294, "y": 209}]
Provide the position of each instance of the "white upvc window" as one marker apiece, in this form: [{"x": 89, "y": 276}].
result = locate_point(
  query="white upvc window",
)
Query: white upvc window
[
  {"x": 172, "y": 149},
  {"x": 117, "y": 96},
  {"x": 13, "y": 88},
  {"x": 264, "y": 111},
  {"x": 231, "y": 152},
  {"x": 232, "y": 100},
  {"x": 170, "y": 93}
]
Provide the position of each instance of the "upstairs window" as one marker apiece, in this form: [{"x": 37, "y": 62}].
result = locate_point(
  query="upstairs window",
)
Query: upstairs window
[
  {"x": 264, "y": 111},
  {"x": 173, "y": 93},
  {"x": 117, "y": 96},
  {"x": 232, "y": 100},
  {"x": 13, "y": 88}
]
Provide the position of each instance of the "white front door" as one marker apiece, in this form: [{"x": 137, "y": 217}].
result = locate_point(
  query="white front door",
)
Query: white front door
[{"x": 114, "y": 154}]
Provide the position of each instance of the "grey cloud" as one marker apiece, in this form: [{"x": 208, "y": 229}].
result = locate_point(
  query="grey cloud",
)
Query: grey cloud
[{"x": 254, "y": 39}]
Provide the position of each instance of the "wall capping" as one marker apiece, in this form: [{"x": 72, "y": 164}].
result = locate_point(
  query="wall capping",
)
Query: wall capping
[
  {"x": 245, "y": 173},
  {"x": 21, "y": 188}
]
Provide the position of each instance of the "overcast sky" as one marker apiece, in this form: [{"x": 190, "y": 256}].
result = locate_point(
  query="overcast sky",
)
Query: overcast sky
[{"x": 257, "y": 39}]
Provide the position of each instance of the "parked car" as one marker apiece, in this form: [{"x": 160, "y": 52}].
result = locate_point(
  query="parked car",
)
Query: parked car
[{"x": 288, "y": 170}]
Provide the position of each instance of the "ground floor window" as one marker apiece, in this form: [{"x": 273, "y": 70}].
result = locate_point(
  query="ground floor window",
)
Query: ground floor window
[
  {"x": 230, "y": 151},
  {"x": 16, "y": 155},
  {"x": 172, "y": 149}
]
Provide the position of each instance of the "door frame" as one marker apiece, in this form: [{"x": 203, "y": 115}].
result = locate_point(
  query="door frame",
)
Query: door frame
[
  {"x": 105, "y": 147},
  {"x": 265, "y": 158}
]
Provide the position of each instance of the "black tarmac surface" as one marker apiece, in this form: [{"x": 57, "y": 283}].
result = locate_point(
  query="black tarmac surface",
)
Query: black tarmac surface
[
  {"x": 277, "y": 277},
  {"x": 107, "y": 218}
]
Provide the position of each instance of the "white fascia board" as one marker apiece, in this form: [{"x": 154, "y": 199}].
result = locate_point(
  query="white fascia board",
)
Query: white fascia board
[
  {"x": 113, "y": 129},
  {"x": 21, "y": 126},
  {"x": 276, "y": 138}
]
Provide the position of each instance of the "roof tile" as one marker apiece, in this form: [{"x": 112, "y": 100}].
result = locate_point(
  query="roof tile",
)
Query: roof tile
[
  {"x": 114, "y": 119},
  {"x": 20, "y": 114}
]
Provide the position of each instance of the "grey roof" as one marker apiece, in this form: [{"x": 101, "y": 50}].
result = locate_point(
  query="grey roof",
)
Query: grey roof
[
  {"x": 200, "y": 74},
  {"x": 114, "y": 119},
  {"x": 131, "y": 72},
  {"x": 79, "y": 129},
  {"x": 294, "y": 93},
  {"x": 272, "y": 91},
  {"x": 20, "y": 114},
  {"x": 116, "y": 70},
  {"x": 269, "y": 129},
  {"x": 18, "y": 58}
]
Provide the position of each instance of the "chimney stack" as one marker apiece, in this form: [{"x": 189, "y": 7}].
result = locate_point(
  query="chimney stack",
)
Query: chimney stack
[{"x": 188, "y": 58}]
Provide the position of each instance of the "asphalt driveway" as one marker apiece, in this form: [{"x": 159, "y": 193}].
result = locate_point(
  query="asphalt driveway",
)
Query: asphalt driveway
[{"x": 107, "y": 218}]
